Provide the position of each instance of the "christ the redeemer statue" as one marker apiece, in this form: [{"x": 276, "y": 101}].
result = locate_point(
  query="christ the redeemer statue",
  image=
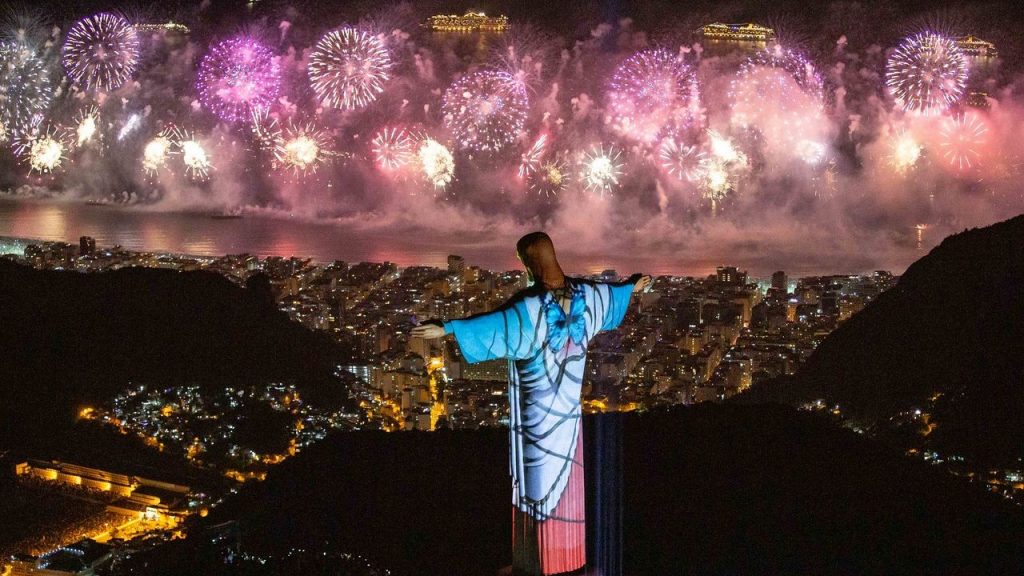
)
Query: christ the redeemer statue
[{"x": 543, "y": 331}]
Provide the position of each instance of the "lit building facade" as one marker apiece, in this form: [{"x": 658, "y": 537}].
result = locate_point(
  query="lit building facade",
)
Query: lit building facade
[
  {"x": 140, "y": 495},
  {"x": 468, "y": 22},
  {"x": 748, "y": 32},
  {"x": 79, "y": 559},
  {"x": 976, "y": 47}
]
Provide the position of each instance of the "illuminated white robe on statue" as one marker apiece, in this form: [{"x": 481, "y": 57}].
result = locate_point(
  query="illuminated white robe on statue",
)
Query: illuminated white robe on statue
[{"x": 546, "y": 349}]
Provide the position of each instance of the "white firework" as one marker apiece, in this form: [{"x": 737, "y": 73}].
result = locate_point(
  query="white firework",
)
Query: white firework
[
  {"x": 155, "y": 153},
  {"x": 601, "y": 169},
  {"x": 348, "y": 68},
  {"x": 437, "y": 162},
  {"x": 87, "y": 126}
]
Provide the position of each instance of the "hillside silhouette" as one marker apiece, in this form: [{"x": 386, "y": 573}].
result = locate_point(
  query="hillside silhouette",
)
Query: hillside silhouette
[
  {"x": 947, "y": 339},
  {"x": 710, "y": 489},
  {"x": 69, "y": 339}
]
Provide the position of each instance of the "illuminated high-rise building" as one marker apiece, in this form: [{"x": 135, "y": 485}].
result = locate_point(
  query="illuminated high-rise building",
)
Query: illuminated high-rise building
[
  {"x": 731, "y": 275},
  {"x": 456, "y": 264},
  {"x": 780, "y": 281}
]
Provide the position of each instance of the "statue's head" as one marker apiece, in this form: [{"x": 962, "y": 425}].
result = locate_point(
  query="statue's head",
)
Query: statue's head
[{"x": 537, "y": 253}]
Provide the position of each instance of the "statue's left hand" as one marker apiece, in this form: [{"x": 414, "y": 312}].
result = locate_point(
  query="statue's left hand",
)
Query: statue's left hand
[{"x": 428, "y": 330}]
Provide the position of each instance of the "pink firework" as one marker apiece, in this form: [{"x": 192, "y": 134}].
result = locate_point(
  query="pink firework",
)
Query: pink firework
[
  {"x": 393, "y": 148},
  {"x": 651, "y": 91},
  {"x": 962, "y": 138},
  {"x": 237, "y": 77},
  {"x": 485, "y": 110},
  {"x": 779, "y": 93}
]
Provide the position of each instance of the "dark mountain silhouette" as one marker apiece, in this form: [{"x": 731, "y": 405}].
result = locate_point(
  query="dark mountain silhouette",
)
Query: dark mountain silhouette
[
  {"x": 705, "y": 490},
  {"x": 952, "y": 326},
  {"x": 69, "y": 339}
]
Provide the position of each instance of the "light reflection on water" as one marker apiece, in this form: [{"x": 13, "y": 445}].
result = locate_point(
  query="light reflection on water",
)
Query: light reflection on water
[{"x": 205, "y": 235}]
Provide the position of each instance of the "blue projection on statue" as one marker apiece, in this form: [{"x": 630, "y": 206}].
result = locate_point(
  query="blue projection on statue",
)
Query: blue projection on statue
[{"x": 546, "y": 348}]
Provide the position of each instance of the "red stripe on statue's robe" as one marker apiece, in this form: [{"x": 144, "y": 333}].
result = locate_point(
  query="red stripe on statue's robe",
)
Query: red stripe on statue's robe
[{"x": 555, "y": 545}]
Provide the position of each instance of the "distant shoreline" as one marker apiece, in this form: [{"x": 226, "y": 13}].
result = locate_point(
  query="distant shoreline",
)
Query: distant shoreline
[{"x": 205, "y": 234}]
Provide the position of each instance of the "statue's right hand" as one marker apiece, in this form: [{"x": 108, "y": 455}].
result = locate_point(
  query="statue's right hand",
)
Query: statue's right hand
[
  {"x": 642, "y": 284},
  {"x": 428, "y": 330}
]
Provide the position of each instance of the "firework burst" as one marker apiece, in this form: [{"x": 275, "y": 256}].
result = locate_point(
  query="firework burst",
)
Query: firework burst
[
  {"x": 348, "y": 68},
  {"x": 715, "y": 179},
  {"x": 651, "y": 91},
  {"x": 301, "y": 149},
  {"x": 25, "y": 90},
  {"x": 393, "y": 148},
  {"x": 724, "y": 150},
  {"x": 485, "y": 110},
  {"x": 155, "y": 153},
  {"x": 238, "y": 77},
  {"x": 792, "y": 63},
  {"x": 193, "y": 154},
  {"x": 130, "y": 126},
  {"x": 810, "y": 151},
  {"x": 550, "y": 178},
  {"x": 927, "y": 73},
  {"x": 904, "y": 152},
  {"x": 531, "y": 159},
  {"x": 265, "y": 129},
  {"x": 436, "y": 162},
  {"x": 679, "y": 160},
  {"x": 44, "y": 152},
  {"x": 719, "y": 169},
  {"x": 87, "y": 124},
  {"x": 601, "y": 169},
  {"x": 101, "y": 52},
  {"x": 780, "y": 94},
  {"x": 962, "y": 137}
]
